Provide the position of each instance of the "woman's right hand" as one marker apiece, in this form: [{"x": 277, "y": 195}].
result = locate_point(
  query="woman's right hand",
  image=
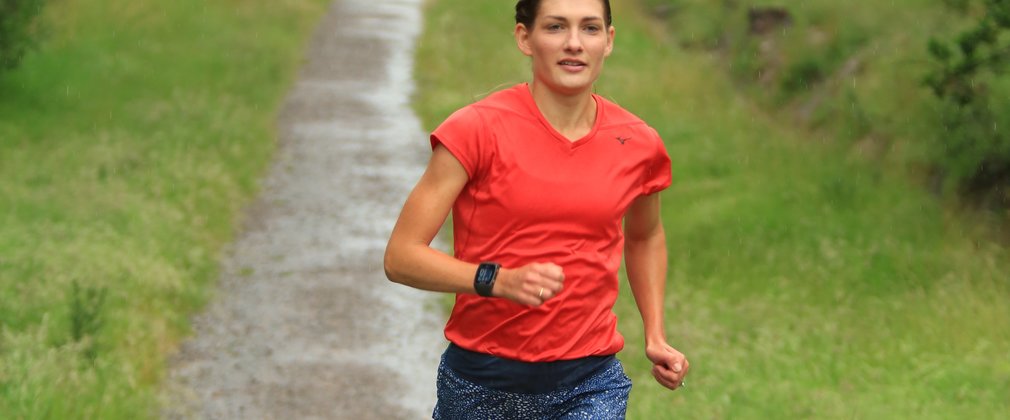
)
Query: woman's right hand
[{"x": 532, "y": 284}]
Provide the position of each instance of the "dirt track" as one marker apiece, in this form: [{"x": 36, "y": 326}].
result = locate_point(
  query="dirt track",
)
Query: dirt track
[{"x": 304, "y": 324}]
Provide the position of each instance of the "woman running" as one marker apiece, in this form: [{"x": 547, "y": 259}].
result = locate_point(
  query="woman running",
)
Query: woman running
[{"x": 539, "y": 177}]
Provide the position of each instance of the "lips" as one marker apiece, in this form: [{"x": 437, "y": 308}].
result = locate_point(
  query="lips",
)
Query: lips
[{"x": 571, "y": 64}]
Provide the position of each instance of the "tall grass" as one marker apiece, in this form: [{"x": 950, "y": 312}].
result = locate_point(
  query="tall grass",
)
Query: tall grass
[
  {"x": 805, "y": 282},
  {"x": 128, "y": 143}
]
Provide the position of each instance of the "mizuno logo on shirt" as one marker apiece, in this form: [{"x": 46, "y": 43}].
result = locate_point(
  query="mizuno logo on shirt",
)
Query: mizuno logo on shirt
[{"x": 622, "y": 140}]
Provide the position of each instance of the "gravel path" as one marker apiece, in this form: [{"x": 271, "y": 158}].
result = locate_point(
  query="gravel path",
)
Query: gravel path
[{"x": 305, "y": 324}]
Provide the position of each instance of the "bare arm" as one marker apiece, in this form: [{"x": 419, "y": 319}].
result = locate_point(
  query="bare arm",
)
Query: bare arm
[
  {"x": 645, "y": 258},
  {"x": 410, "y": 260}
]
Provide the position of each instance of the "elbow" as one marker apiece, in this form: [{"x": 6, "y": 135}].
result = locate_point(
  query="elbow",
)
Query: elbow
[{"x": 390, "y": 265}]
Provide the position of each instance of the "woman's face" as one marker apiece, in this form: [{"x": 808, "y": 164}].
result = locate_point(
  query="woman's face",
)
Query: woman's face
[{"x": 568, "y": 42}]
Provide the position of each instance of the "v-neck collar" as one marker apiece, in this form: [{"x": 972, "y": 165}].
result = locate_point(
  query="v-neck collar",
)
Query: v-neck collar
[{"x": 527, "y": 96}]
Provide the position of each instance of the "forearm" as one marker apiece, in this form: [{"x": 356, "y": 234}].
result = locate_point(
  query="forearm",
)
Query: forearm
[
  {"x": 409, "y": 259},
  {"x": 646, "y": 263},
  {"x": 423, "y": 267}
]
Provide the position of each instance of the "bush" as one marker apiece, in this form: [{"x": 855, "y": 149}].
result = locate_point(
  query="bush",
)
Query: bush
[
  {"x": 17, "y": 30},
  {"x": 970, "y": 81}
]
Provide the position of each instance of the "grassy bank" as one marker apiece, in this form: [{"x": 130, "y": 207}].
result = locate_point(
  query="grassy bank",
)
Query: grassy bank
[
  {"x": 805, "y": 282},
  {"x": 128, "y": 143},
  {"x": 853, "y": 73}
]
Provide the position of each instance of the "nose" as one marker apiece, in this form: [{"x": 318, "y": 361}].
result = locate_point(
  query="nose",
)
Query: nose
[{"x": 574, "y": 42}]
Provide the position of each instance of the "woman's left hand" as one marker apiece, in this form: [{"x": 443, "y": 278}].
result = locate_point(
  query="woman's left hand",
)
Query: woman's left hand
[{"x": 669, "y": 366}]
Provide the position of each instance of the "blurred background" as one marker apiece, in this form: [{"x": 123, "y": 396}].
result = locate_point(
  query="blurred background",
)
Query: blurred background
[{"x": 837, "y": 227}]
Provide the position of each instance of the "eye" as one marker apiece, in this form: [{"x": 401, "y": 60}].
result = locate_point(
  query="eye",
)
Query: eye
[
  {"x": 554, "y": 27},
  {"x": 592, "y": 29}
]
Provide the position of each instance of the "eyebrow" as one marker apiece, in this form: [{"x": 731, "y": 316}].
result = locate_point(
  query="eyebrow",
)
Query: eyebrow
[{"x": 585, "y": 19}]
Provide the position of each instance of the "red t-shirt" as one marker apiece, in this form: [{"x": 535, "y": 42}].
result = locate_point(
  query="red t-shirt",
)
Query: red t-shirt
[{"x": 535, "y": 196}]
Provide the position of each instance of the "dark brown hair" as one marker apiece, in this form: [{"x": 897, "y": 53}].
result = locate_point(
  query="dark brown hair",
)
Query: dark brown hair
[{"x": 526, "y": 12}]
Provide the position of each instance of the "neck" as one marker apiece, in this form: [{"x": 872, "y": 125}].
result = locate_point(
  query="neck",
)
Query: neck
[{"x": 571, "y": 115}]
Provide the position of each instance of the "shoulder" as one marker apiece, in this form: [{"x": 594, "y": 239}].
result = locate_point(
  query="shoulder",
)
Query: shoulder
[
  {"x": 503, "y": 105},
  {"x": 508, "y": 103},
  {"x": 618, "y": 118}
]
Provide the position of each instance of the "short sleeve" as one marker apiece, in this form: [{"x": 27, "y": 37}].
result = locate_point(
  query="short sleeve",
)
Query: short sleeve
[
  {"x": 463, "y": 135},
  {"x": 657, "y": 175}
]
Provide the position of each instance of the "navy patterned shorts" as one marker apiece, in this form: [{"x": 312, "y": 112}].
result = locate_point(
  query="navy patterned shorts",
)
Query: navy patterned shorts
[{"x": 603, "y": 395}]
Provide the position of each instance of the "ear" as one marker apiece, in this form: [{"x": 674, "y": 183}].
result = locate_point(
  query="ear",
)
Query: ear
[
  {"x": 522, "y": 35},
  {"x": 610, "y": 41}
]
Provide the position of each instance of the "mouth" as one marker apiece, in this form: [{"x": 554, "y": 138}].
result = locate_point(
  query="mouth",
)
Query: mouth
[{"x": 572, "y": 64}]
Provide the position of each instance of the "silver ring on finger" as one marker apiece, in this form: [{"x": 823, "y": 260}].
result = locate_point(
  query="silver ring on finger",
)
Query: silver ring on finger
[{"x": 541, "y": 294}]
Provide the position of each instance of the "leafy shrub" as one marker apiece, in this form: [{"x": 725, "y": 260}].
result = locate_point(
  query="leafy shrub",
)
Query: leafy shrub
[
  {"x": 17, "y": 30},
  {"x": 969, "y": 80}
]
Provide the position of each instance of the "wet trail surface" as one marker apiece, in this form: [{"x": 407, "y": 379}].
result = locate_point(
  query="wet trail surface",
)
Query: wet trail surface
[{"x": 304, "y": 323}]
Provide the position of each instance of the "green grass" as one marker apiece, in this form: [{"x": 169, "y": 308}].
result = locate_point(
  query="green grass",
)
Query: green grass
[
  {"x": 128, "y": 143},
  {"x": 805, "y": 281},
  {"x": 852, "y": 72}
]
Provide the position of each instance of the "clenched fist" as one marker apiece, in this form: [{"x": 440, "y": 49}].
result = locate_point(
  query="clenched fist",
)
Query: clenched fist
[{"x": 532, "y": 284}]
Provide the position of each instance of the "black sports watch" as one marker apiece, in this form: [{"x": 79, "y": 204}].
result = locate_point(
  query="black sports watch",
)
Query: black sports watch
[{"x": 483, "y": 281}]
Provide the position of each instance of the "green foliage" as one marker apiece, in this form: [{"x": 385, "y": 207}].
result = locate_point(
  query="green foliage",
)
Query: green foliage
[
  {"x": 86, "y": 315},
  {"x": 979, "y": 49},
  {"x": 17, "y": 30},
  {"x": 841, "y": 70},
  {"x": 973, "y": 148},
  {"x": 785, "y": 62},
  {"x": 129, "y": 141}
]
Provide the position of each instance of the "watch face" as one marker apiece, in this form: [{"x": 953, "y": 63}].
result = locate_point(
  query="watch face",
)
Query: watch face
[
  {"x": 485, "y": 274},
  {"x": 483, "y": 280}
]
